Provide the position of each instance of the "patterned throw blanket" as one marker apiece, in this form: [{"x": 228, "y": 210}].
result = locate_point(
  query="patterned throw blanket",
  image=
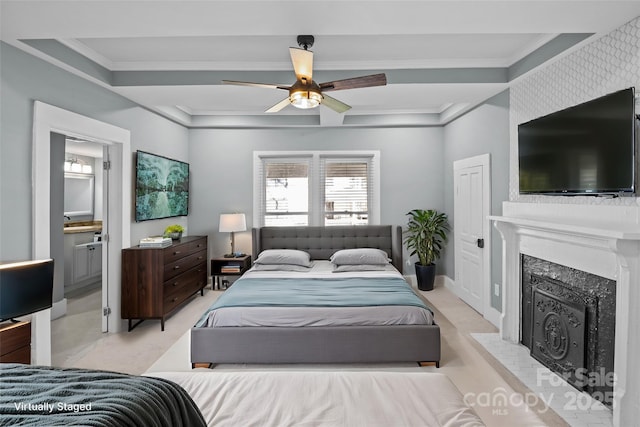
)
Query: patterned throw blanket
[
  {"x": 316, "y": 292},
  {"x": 46, "y": 396}
]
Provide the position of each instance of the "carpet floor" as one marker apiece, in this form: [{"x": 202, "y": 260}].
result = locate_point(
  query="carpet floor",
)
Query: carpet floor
[{"x": 478, "y": 375}]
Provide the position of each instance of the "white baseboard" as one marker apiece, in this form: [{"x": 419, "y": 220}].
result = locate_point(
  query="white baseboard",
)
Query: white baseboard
[
  {"x": 493, "y": 316},
  {"x": 59, "y": 309},
  {"x": 447, "y": 282}
]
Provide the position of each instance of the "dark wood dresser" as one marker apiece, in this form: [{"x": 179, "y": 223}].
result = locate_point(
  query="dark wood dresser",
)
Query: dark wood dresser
[
  {"x": 15, "y": 342},
  {"x": 155, "y": 281}
]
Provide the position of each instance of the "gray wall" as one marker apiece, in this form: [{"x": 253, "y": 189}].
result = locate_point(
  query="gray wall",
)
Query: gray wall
[
  {"x": 24, "y": 79},
  {"x": 413, "y": 173},
  {"x": 483, "y": 130},
  {"x": 222, "y": 171}
]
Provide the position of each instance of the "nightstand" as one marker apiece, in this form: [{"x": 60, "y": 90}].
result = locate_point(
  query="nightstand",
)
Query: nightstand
[{"x": 228, "y": 267}]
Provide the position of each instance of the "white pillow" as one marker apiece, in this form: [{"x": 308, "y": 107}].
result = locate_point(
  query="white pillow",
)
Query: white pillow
[
  {"x": 284, "y": 256},
  {"x": 358, "y": 267},
  {"x": 360, "y": 256}
]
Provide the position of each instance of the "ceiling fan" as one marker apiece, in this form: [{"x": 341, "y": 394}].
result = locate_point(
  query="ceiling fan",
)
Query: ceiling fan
[{"x": 306, "y": 93}]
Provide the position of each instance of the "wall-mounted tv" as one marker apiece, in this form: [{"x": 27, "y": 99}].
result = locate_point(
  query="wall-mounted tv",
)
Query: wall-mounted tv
[
  {"x": 588, "y": 149},
  {"x": 25, "y": 287},
  {"x": 162, "y": 187}
]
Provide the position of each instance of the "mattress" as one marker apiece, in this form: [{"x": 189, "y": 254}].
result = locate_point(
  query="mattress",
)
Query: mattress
[
  {"x": 411, "y": 312},
  {"x": 320, "y": 398}
]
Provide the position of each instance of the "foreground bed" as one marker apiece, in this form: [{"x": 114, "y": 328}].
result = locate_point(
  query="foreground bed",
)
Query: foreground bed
[
  {"x": 320, "y": 343},
  {"x": 46, "y": 396},
  {"x": 320, "y": 398}
]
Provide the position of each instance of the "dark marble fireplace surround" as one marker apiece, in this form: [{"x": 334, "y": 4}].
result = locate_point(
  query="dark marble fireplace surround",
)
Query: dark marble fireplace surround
[{"x": 568, "y": 319}]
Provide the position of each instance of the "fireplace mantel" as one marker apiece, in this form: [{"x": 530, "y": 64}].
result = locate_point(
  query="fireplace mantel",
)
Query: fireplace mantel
[{"x": 602, "y": 240}]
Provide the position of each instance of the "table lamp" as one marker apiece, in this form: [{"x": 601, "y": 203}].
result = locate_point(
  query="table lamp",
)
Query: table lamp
[{"x": 230, "y": 223}]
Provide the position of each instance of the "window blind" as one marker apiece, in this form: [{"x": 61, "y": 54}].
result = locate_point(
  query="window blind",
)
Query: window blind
[
  {"x": 346, "y": 190},
  {"x": 285, "y": 198}
]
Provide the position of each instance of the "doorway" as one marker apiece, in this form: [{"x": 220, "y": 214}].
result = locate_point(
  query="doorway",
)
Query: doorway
[
  {"x": 78, "y": 253},
  {"x": 472, "y": 206},
  {"x": 48, "y": 119}
]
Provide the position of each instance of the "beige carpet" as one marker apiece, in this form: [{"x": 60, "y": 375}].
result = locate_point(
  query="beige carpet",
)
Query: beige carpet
[{"x": 476, "y": 373}]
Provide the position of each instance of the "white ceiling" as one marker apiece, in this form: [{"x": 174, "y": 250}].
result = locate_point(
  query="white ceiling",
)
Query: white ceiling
[{"x": 441, "y": 58}]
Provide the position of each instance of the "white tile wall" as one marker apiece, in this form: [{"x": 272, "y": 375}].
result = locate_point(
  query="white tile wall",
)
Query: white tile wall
[{"x": 606, "y": 65}]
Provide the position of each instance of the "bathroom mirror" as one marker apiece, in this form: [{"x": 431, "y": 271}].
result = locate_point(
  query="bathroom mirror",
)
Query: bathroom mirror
[{"x": 78, "y": 194}]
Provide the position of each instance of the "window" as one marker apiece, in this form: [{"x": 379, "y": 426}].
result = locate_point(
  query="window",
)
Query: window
[
  {"x": 316, "y": 188},
  {"x": 346, "y": 195},
  {"x": 286, "y": 192}
]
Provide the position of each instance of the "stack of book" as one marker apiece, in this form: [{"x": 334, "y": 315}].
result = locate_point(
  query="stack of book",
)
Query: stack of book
[
  {"x": 155, "y": 242},
  {"x": 230, "y": 268}
]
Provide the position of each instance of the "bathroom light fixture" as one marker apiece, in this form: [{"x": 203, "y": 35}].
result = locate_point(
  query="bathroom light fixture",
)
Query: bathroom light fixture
[{"x": 77, "y": 166}]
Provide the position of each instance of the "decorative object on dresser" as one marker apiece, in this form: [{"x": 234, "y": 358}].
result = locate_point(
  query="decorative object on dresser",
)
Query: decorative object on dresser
[
  {"x": 174, "y": 231},
  {"x": 228, "y": 267},
  {"x": 156, "y": 242},
  {"x": 155, "y": 281},
  {"x": 15, "y": 342},
  {"x": 230, "y": 223}
]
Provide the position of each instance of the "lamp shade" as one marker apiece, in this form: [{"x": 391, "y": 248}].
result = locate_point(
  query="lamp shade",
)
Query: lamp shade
[{"x": 232, "y": 222}]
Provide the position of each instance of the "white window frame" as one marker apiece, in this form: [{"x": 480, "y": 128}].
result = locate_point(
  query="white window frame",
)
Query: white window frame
[{"x": 316, "y": 190}]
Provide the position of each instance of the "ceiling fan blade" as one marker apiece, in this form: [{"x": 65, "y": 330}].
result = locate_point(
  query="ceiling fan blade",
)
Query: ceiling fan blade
[
  {"x": 302, "y": 63},
  {"x": 266, "y": 85},
  {"x": 356, "y": 82},
  {"x": 334, "y": 104},
  {"x": 279, "y": 106}
]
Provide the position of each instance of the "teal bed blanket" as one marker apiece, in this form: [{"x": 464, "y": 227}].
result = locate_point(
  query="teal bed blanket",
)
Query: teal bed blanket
[
  {"x": 46, "y": 396},
  {"x": 316, "y": 292}
]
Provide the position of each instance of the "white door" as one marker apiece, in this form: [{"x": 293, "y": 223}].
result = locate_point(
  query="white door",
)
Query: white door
[
  {"x": 471, "y": 230},
  {"x": 104, "y": 249}
]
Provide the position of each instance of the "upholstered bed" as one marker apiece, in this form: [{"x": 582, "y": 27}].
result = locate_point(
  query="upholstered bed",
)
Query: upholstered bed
[{"x": 318, "y": 342}]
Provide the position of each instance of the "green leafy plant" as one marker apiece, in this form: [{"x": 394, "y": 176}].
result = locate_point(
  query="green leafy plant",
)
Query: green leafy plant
[
  {"x": 426, "y": 234},
  {"x": 175, "y": 228}
]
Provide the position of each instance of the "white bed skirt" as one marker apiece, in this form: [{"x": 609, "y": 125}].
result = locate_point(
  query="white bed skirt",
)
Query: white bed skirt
[{"x": 320, "y": 398}]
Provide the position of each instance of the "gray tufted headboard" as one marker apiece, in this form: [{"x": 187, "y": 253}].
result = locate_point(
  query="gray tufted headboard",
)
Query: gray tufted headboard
[{"x": 322, "y": 242}]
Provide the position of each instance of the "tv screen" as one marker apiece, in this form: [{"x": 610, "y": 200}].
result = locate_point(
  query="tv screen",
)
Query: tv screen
[
  {"x": 162, "y": 187},
  {"x": 25, "y": 287},
  {"x": 586, "y": 149}
]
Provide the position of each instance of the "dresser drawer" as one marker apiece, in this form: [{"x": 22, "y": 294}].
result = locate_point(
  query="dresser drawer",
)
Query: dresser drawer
[
  {"x": 197, "y": 276},
  {"x": 176, "y": 252},
  {"x": 183, "y": 264},
  {"x": 15, "y": 343},
  {"x": 192, "y": 282}
]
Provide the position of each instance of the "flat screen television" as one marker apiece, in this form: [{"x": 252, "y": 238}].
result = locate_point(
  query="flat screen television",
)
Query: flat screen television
[
  {"x": 162, "y": 187},
  {"x": 25, "y": 287},
  {"x": 588, "y": 149}
]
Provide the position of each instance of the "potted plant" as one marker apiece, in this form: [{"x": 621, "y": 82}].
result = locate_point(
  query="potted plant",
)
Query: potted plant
[
  {"x": 174, "y": 231},
  {"x": 426, "y": 235}
]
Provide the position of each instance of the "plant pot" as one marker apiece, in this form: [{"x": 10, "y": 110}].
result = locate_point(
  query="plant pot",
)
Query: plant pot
[
  {"x": 176, "y": 236},
  {"x": 426, "y": 276}
]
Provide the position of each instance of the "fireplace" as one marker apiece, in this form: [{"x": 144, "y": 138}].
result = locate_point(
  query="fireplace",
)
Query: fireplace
[
  {"x": 568, "y": 323},
  {"x": 599, "y": 239}
]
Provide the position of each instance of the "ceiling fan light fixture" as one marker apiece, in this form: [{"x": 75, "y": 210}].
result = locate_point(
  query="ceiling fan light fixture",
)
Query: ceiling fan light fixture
[{"x": 305, "y": 99}]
